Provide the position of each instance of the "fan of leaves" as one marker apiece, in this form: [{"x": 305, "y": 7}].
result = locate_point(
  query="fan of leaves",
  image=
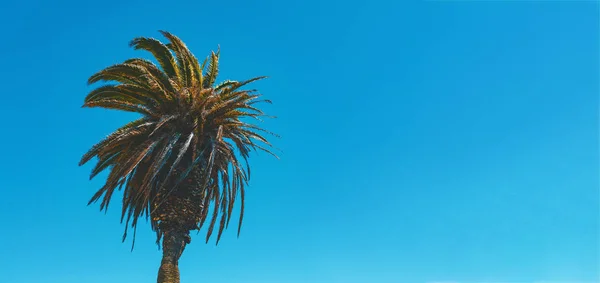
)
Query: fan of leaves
[{"x": 187, "y": 122}]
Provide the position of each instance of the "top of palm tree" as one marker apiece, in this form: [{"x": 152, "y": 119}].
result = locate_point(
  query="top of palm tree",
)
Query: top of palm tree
[{"x": 187, "y": 121}]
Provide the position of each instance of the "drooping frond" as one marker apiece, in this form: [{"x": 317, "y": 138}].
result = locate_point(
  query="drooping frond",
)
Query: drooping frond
[
  {"x": 129, "y": 130},
  {"x": 120, "y": 105},
  {"x": 122, "y": 73},
  {"x": 125, "y": 93},
  {"x": 185, "y": 161}
]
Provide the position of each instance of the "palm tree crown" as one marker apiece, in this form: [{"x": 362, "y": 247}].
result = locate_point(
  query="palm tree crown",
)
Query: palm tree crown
[{"x": 188, "y": 151}]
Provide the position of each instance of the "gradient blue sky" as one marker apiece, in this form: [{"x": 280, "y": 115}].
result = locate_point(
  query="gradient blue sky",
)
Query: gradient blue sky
[{"x": 422, "y": 141}]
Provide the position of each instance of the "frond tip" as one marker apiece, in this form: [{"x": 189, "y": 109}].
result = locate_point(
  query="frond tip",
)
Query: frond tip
[{"x": 184, "y": 163}]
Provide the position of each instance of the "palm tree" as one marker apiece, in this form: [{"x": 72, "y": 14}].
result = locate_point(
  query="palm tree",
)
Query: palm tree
[{"x": 185, "y": 160}]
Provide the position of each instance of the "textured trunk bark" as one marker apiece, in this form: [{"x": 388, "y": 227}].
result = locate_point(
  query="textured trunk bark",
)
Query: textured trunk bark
[{"x": 174, "y": 243}]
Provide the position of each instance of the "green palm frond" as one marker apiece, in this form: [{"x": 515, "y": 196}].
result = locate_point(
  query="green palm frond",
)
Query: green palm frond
[
  {"x": 160, "y": 51},
  {"x": 122, "y": 73},
  {"x": 190, "y": 144},
  {"x": 185, "y": 60},
  {"x": 125, "y": 93},
  {"x": 212, "y": 71},
  {"x": 157, "y": 78},
  {"x": 120, "y": 105}
]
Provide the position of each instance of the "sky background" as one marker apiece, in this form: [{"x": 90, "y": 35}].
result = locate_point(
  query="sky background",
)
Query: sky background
[{"x": 421, "y": 141}]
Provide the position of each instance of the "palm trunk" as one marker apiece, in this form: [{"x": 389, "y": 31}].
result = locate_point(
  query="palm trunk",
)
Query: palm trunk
[{"x": 174, "y": 243}]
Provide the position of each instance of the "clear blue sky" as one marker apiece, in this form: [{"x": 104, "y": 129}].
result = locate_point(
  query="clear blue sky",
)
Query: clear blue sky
[{"x": 422, "y": 141}]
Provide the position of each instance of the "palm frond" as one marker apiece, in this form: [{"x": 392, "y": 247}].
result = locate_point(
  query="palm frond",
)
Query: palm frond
[
  {"x": 130, "y": 129},
  {"x": 117, "y": 104},
  {"x": 155, "y": 76},
  {"x": 213, "y": 70},
  {"x": 160, "y": 51},
  {"x": 125, "y": 93},
  {"x": 122, "y": 73},
  {"x": 185, "y": 60}
]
